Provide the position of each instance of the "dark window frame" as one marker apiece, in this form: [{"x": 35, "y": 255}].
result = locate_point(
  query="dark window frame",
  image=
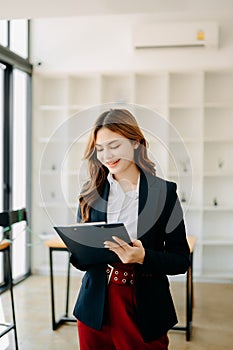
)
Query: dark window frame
[{"x": 13, "y": 61}]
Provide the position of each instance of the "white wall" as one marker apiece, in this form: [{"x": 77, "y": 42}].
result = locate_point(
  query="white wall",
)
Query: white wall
[{"x": 104, "y": 43}]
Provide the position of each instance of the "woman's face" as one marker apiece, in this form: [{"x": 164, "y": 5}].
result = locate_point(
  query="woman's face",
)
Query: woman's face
[{"x": 114, "y": 151}]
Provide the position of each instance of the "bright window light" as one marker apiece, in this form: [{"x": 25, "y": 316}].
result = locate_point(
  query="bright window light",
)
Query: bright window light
[
  {"x": 3, "y": 32},
  {"x": 19, "y": 37},
  {"x": 1, "y": 163},
  {"x": 19, "y": 169}
]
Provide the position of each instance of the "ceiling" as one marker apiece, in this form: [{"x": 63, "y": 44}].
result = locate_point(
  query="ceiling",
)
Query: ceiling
[{"x": 63, "y": 8}]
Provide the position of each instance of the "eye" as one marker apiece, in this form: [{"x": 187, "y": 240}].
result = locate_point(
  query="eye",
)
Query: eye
[
  {"x": 99, "y": 150},
  {"x": 114, "y": 147}
]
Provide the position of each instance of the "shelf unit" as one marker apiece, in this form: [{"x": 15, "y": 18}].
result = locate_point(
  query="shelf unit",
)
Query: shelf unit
[
  {"x": 218, "y": 179},
  {"x": 187, "y": 117}
]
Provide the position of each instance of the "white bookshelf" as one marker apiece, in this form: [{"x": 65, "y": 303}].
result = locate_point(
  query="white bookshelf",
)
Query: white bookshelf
[
  {"x": 194, "y": 148},
  {"x": 116, "y": 88},
  {"x": 151, "y": 90},
  {"x": 217, "y": 175}
]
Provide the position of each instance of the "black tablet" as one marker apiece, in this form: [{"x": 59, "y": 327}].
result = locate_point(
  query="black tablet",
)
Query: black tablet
[{"x": 86, "y": 241}]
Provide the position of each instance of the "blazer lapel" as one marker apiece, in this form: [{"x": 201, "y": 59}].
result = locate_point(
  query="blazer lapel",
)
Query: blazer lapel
[
  {"x": 99, "y": 209},
  {"x": 152, "y": 196}
]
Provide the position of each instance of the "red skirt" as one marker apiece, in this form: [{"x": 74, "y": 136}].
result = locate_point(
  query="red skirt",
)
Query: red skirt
[{"x": 120, "y": 330}]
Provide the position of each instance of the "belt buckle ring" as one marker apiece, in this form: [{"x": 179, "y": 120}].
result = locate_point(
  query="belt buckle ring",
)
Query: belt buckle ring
[{"x": 110, "y": 273}]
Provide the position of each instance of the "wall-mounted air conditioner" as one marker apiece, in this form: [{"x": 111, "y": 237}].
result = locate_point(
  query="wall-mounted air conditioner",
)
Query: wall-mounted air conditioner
[{"x": 188, "y": 34}]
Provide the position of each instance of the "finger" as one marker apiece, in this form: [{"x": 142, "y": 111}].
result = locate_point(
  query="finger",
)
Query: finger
[
  {"x": 137, "y": 243},
  {"x": 111, "y": 245},
  {"x": 120, "y": 241}
]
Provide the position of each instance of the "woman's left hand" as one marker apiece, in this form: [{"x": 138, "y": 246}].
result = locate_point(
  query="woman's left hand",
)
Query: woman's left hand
[{"x": 127, "y": 254}]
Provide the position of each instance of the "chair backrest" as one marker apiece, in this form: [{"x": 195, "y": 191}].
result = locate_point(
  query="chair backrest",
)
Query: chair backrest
[
  {"x": 8, "y": 218},
  {"x": 4, "y": 219},
  {"x": 17, "y": 216}
]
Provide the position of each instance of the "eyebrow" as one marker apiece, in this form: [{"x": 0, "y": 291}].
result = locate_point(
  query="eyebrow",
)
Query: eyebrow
[{"x": 107, "y": 142}]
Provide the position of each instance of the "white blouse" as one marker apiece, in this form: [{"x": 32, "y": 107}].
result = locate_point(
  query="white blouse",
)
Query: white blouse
[{"x": 123, "y": 206}]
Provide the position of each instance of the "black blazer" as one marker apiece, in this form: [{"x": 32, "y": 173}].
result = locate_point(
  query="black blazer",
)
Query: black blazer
[{"x": 162, "y": 232}]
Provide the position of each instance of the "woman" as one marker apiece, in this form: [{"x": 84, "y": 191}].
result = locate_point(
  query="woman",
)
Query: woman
[{"x": 127, "y": 305}]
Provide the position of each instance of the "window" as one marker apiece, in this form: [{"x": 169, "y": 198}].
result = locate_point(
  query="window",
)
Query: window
[
  {"x": 19, "y": 170},
  {"x": 15, "y": 141},
  {"x": 19, "y": 37},
  {"x": 1, "y": 134},
  {"x": 1, "y": 162},
  {"x": 14, "y": 35},
  {"x": 4, "y": 32}
]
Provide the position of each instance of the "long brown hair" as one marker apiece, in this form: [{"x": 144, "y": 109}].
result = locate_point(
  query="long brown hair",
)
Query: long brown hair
[{"x": 122, "y": 122}]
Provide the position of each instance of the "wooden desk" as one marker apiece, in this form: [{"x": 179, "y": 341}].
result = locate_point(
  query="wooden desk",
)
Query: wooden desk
[
  {"x": 189, "y": 292},
  {"x": 56, "y": 245}
]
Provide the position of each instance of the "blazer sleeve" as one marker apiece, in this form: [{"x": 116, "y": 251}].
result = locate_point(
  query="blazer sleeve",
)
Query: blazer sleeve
[
  {"x": 175, "y": 257},
  {"x": 74, "y": 260}
]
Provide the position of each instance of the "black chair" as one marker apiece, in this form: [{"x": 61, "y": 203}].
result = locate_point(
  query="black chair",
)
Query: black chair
[{"x": 7, "y": 219}]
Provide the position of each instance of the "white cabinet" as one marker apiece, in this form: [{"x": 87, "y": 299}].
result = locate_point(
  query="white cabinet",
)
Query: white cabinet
[
  {"x": 116, "y": 88},
  {"x": 185, "y": 164},
  {"x": 218, "y": 174},
  {"x": 190, "y": 138},
  {"x": 83, "y": 91},
  {"x": 185, "y": 89},
  {"x": 218, "y": 89},
  {"x": 151, "y": 90}
]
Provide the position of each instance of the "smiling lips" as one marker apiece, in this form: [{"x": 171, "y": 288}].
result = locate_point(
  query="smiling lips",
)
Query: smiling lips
[{"x": 112, "y": 164}]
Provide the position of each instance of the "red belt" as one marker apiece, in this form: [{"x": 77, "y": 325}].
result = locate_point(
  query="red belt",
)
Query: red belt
[{"x": 120, "y": 276}]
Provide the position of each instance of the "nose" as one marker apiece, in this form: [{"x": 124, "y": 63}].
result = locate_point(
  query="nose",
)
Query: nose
[{"x": 107, "y": 154}]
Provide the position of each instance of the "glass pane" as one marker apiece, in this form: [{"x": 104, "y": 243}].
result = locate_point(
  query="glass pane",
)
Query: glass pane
[
  {"x": 1, "y": 135},
  {"x": 3, "y": 32},
  {"x": 19, "y": 37},
  {"x": 19, "y": 169},
  {"x": 1, "y": 162}
]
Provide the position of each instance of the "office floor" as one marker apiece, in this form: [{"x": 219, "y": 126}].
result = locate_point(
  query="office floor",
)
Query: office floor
[{"x": 212, "y": 324}]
